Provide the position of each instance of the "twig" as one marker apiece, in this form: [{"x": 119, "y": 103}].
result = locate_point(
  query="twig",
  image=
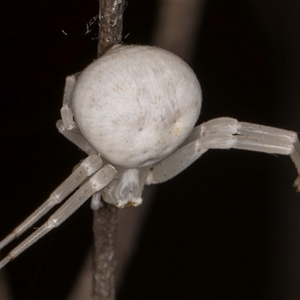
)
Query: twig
[
  {"x": 105, "y": 219},
  {"x": 110, "y": 23}
]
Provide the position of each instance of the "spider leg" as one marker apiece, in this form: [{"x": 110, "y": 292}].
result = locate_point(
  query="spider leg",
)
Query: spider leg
[
  {"x": 86, "y": 168},
  {"x": 96, "y": 201},
  {"x": 226, "y": 133},
  {"x": 69, "y": 129},
  {"x": 96, "y": 183},
  {"x": 67, "y": 125},
  {"x": 75, "y": 136},
  {"x": 66, "y": 110}
]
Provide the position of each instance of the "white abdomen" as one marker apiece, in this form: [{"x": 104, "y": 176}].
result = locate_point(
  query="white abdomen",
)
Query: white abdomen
[{"x": 136, "y": 104}]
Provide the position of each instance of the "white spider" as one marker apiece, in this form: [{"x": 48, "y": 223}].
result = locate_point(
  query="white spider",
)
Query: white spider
[{"x": 133, "y": 111}]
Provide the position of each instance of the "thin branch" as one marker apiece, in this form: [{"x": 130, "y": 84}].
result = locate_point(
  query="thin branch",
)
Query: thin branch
[
  {"x": 105, "y": 231},
  {"x": 105, "y": 219},
  {"x": 110, "y": 23}
]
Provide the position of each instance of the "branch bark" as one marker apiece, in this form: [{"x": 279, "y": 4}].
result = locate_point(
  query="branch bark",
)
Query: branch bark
[
  {"x": 110, "y": 24},
  {"x": 105, "y": 219}
]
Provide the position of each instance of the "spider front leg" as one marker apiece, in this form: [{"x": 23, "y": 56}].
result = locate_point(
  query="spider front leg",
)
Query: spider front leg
[
  {"x": 226, "y": 133},
  {"x": 86, "y": 168},
  {"x": 95, "y": 184}
]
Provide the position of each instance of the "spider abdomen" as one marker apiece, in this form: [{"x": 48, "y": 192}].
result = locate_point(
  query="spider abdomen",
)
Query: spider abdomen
[{"x": 136, "y": 104}]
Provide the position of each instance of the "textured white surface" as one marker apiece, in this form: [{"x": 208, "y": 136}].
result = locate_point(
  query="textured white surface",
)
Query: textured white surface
[{"x": 136, "y": 104}]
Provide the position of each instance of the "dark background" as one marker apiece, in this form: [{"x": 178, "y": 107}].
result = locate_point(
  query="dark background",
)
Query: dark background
[{"x": 227, "y": 227}]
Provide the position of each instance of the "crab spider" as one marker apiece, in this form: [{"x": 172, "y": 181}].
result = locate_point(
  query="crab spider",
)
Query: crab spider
[{"x": 133, "y": 111}]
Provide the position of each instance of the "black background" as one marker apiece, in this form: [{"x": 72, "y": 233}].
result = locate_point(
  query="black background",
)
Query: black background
[{"x": 227, "y": 227}]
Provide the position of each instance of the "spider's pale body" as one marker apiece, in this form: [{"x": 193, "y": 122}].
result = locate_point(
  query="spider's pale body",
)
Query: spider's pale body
[
  {"x": 136, "y": 104},
  {"x": 133, "y": 111}
]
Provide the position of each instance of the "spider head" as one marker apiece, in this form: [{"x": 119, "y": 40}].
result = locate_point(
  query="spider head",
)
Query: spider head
[{"x": 126, "y": 189}]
